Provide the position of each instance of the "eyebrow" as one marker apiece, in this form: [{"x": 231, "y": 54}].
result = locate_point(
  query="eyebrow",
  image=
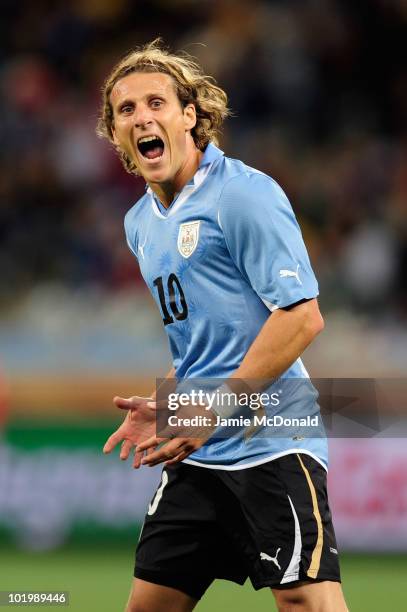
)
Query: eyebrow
[{"x": 123, "y": 102}]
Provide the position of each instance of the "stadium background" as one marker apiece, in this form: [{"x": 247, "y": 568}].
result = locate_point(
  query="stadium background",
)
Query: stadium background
[{"x": 320, "y": 99}]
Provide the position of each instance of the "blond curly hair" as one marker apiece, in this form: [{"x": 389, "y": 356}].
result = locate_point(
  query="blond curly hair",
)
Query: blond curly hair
[{"x": 192, "y": 86}]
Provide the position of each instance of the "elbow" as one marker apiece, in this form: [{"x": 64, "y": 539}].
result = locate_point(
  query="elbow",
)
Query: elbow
[
  {"x": 312, "y": 321},
  {"x": 319, "y": 324},
  {"x": 314, "y": 325}
]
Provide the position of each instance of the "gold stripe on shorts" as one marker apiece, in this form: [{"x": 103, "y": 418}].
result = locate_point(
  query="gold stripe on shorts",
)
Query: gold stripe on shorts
[{"x": 317, "y": 552}]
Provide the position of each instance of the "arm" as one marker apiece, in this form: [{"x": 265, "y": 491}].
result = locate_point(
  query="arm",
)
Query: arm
[
  {"x": 282, "y": 339},
  {"x": 169, "y": 375}
]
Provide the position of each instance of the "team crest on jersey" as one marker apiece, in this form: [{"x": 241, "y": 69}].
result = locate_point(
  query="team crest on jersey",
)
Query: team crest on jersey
[{"x": 188, "y": 237}]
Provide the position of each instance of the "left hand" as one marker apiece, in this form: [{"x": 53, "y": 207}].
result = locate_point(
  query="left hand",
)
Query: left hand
[{"x": 180, "y": 442}]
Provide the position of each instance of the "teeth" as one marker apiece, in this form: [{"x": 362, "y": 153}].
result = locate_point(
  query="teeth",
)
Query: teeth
[{"x": 147, "y": 139}]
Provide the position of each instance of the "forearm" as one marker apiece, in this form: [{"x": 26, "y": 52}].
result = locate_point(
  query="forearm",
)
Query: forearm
[
  {"x": 169, "y": 375},
  {"x": 282, "y": 339}
]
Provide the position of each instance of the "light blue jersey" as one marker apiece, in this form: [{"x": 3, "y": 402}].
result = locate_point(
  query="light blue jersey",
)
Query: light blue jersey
[{"x": 227, "y": 252}]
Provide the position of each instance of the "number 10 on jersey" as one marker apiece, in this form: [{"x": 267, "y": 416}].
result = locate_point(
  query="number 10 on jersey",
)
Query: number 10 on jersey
[{"x": 173, "y": 287}]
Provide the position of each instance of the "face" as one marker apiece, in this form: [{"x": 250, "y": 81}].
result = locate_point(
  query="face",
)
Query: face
[{"x": 151, "y": 126}]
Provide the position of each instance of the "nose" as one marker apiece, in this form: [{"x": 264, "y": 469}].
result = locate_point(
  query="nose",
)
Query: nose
[{"x": 142, "y": 117}]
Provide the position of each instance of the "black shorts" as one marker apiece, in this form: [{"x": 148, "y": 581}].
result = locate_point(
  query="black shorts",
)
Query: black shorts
[{"x": 270, "y": 522}]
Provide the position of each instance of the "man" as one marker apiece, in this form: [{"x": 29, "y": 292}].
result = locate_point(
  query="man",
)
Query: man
[{"x": 220, "y": 249}]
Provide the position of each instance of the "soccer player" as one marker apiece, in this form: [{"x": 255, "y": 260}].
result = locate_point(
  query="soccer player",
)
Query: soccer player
[{"x": 222, "y": 254}]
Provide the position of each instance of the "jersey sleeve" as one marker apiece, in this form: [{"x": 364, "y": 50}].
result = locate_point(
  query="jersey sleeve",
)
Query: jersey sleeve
[{"x": 265, "y": 241}]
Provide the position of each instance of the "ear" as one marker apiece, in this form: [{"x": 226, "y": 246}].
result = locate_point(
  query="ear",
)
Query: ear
[{"x": 189, "y": 117}]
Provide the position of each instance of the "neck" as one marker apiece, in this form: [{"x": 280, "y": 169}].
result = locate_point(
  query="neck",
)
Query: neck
[{"x": 167, "y": 191}]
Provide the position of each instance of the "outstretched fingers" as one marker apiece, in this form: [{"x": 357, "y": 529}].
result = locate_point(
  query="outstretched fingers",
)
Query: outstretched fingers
[
  {"x": 124, "y": 403},
  {"x": 138, "y": 455},
  {"x": 112, "y": 442},
  {"x": 128, "y": 403},
  {"x": 127, "y": 445}
]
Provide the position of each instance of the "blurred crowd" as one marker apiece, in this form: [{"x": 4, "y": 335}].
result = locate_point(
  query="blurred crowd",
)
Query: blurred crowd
[{"x": 319, "y": 94}]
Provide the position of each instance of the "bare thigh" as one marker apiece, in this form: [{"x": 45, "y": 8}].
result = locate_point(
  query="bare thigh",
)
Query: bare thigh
[
  {"x": 325, "y": 596},
  {"x": 149, "y": 597}
]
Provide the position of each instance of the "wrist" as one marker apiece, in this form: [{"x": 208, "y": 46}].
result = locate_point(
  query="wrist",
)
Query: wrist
[{"x": 225, "y": 405}]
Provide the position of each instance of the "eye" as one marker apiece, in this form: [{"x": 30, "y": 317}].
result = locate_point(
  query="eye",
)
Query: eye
[
  {"x": 126, "y": 108},
  {"x": 156, "y": 103}
]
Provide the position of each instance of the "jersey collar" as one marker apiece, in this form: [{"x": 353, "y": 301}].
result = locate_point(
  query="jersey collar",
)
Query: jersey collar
[{"x": 211, "y": 155}]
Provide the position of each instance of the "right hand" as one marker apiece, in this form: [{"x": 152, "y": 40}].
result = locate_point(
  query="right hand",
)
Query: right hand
[{"x": 139, "y": 425}]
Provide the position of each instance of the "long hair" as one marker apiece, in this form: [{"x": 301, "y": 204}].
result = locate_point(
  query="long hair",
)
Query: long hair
[{"x": 192, "y": 86}]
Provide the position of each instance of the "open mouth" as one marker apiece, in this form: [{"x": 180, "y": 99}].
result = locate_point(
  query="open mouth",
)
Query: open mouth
[{"x": 151, "y": 147}]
